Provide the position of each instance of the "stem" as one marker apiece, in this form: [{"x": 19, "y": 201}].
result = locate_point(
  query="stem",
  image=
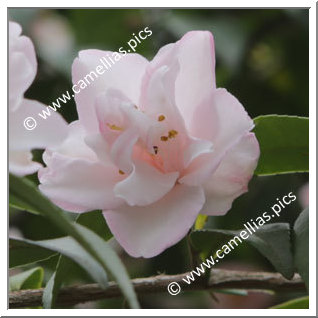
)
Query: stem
[{"x": 219, "y": 279}]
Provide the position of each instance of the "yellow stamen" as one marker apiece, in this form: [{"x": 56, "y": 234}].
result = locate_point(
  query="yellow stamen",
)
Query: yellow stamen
[
  {"x": 172, "y": 133},
  {"x": 164, "y": 138},
  {"x": 121, "y": 171},
  {"x": 161, "y": 118},
  {"x": 114, "y": 127}
]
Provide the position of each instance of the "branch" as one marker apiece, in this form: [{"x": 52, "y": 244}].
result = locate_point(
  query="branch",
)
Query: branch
[{"x": 219, "y": 279}]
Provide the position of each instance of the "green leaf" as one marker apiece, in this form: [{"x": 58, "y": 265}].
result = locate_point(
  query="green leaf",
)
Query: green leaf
[
  {"x": 93, "y": 220},
  {"x": 87, "y": 239},
  {"x": 271, "y": 240},
  {"x": 30, "y": 279},
  {"x": 301, "y": 245},
  {"x": 284, "y": 144},
  {"x": 298, "y": 303},
  {"x": 16, "y": 203},
  {"x": 21, "y": 253},
  {"x": 207, "y": 241},
  {"x": 50, "y": 291},
  {"x": 63, "y": 267},
  {"x": 26, "y": 191},
  {"x": 111, "y": 263},
  {"x": 70, "y": 248}
]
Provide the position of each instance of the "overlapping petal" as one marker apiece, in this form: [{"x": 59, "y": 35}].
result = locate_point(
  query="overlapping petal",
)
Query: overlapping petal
[
  {"x": 124, "y": 75},
  {"x": 75, "y": 179},
  {"x": 22, "y": 71},
  {"x": 221, "y": 119},
  {"x": 147, "y": 231},
  {"x": 22, "y": 64},
  {"x": 22, "y": 141},
  {"x": 145, "y": 185},
  {"x": 231, "y": 178},
  {"x": 196, "y": 57},
  {"x": 21, "y": 164},
  {"x": 47, "y": 132}
]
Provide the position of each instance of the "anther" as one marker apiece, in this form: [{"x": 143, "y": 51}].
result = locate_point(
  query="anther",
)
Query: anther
[
  {"x": 121, "y": 172},
  {"x": 164, "y": 138},
  {"x": 114, "y": 127},
  {"x": 172, "y": 133},
  {"x": 155, "y": 148},
  {"x": 161, "y": 118}
]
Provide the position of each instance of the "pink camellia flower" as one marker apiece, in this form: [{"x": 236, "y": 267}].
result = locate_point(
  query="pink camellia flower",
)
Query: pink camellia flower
[
  {"x": 155, "y": 144},
  {"x": 22, "y": 71}
]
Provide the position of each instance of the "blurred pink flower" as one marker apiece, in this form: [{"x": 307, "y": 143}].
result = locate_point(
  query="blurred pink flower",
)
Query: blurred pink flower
[
  {"x": 54, "y": 39},
  {"x": 155, "y": 144},
  {"x": 304, "y": 195},
  {"x": 22, "y": 71}
]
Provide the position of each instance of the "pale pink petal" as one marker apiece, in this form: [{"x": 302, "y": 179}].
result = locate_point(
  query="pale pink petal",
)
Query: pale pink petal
[
  {"x": 14, "y": 29},
  {"x": 99, "y": 145},
  {"x": 22, "y": 141},
  {"x": 222, "y": 119},
  {"x": 21, "y": 76},
  {"x": 145, "y": 185},
  {"x": 196, "y": 148},
  {"x": 73, "y": 145},
  {"x": 159, "y": 98},
  {"x": 22, "y": 64},
  {"x": 122, "y": 148},
  {"x": 197, "y": 71},
  {"x": 114, "y": 109},
  {"x": 121, "y": 125},
  {"x": 200, "y": 168},
  {"x": 231, "y": 178},
  {"x": 158, "y": 102},
  {"x": 79, "y": 185},
  {"x": 21, "y": 164},
  {"x": 21, "y": 43},
  {"x": 124, "y": 75},
  {"x": 74, "y": 179},
  {"x": 147, "y": 231},
  {"x": 196, "y": 57},
  {"x": 46, "y": 133}
]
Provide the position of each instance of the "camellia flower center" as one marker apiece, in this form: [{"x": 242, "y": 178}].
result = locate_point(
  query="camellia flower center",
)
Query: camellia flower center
[{"x": 152, "y": 157}]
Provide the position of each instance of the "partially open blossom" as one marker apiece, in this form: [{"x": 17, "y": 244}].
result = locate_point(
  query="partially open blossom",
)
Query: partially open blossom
[
  {"x": 156, "y": 144},
  {"x": 22, "y": 71}
]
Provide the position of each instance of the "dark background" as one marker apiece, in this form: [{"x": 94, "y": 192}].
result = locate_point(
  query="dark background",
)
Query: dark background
[{"x": 262, "y": 58}]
